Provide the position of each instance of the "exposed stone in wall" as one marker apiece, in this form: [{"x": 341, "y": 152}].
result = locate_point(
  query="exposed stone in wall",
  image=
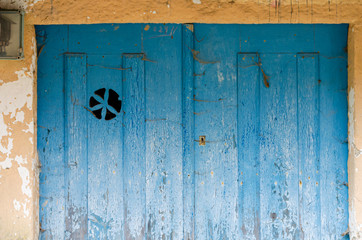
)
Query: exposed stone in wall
[{"x": 18, "y": 4}]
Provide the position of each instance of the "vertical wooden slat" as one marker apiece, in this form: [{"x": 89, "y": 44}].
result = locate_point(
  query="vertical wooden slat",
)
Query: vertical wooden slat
[
  {"x": 134, "y": 147},
  {"x": 76, "y": 146},
  {"x": 50, "y": 131},
  {"x": 216, "y": 163},
  {"x": 278, "y": 149},
  {"x": 308, "y": 144},
  {"x": 333, "y": 148},
  {"x": 248, "y": 145},
  {"x": 105, "y": 173},
  {"x": 163, "y": 64},
  {"x": 188, "y": 123}
]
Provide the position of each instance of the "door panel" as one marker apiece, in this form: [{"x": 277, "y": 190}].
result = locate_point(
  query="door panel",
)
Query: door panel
[
  {"x": 163, "y": 131},
  {"x": 216, "y": 165},
  {"x": 333, "y": 134},
  {"x": 105, "y": 165},
  {"x": 279, "y": 148},
  {"x": 168, "y": 131}
]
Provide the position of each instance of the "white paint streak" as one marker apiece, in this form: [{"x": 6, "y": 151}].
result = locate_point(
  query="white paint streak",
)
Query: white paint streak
[
  {"x": 352, "y": 146},
  {"x": 30, "y": 127},
  {"x": 355, "y": 229},
  {"x": 19, "y": 116},
  {"x": 25, "y": 209},
  {"x": 24, "y": 174},
  {"x": 220, "y": 76},
  {"x": 15, "y": 95},
  {"x": 20, "y": 160},
  {"x": 17, "y": 205},
  {"x": 351, "y": 118},
  {"x": 196, "y": 1}
]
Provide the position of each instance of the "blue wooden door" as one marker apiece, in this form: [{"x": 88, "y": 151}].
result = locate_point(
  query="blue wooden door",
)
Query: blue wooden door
[{"x": 167, "y": 131}]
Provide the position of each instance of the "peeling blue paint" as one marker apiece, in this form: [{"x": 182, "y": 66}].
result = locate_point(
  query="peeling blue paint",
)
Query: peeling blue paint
[{"x": 267, "y": 98}]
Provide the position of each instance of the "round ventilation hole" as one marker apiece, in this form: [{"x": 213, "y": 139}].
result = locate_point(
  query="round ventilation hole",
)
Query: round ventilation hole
[{"x": 105, "y": 104}]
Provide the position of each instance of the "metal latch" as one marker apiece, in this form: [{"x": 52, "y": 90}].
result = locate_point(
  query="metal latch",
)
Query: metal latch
[{"x": 202, "y": 140}]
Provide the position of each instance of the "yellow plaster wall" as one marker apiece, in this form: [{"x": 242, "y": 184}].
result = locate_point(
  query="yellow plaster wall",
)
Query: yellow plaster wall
[
  {"x": 206, "y": 11},
  {"x": 18, "y": 165},
  {"x": 355, "y": 129}
]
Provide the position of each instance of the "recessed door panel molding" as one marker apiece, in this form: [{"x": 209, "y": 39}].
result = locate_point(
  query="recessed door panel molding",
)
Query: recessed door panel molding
[
  {"x": 105, "y": 152},
  {"x": 193, "y": 131}
]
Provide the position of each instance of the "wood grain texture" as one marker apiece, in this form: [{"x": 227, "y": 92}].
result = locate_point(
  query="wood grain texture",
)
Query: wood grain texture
[
  {"x": 188, "y": 135},
  {"x": 76, "y": 144},
  {"x": 309, "y": 145},
  {"x": 105, "y": 163},
  {"x": 279, "y": 148},
  {"x": 248, "y": 145},
  {"x": 270, "y": 101},
  {"x": 134, "y": 146},
  {"x": 51, "y": 133}
]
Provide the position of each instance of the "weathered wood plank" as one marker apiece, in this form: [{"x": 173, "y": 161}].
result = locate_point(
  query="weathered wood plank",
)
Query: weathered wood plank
[
  {"x": 50, "y": 136},
  {"x": 248, "y": 145},
  {"x": 216, "y": 163},
  {"x": 188, "y": 123},
  {"x": 76, "y": 159},
  {"x": 134, "y": 148},
  {"x": 333, "y": 176},
  {"x": 333, "y": 132},
  {"x": 308, "y": 146},
  {"x": 163, "y": 64}
]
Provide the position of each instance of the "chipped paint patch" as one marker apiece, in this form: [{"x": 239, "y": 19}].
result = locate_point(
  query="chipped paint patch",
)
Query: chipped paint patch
[
  {"x": 351, "y": 118},
  {"x": 18, "y": 179},
  {"x": 17, "y": 205},
  {"x": 196, "y": 1},
  {"x": 14, "y": 96},
  {"x": 355, "y": 229},
  {"x": 190, "y": 27},
  {"x": 220, "y": 76},
  {"x": 25, "y": 187}
]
